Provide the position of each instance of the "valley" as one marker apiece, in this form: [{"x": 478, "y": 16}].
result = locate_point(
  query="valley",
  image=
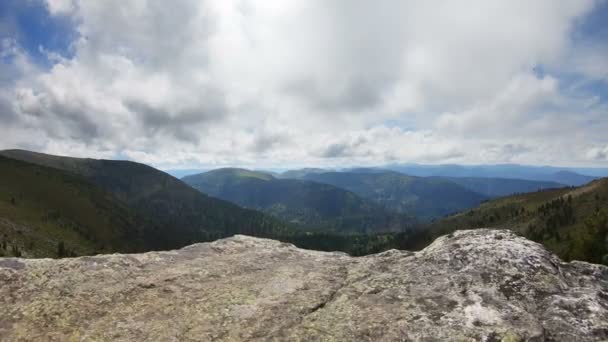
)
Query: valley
[{"x": 314, "y": 205}]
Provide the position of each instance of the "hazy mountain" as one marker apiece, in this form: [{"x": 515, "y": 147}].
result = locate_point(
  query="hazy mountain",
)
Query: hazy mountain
[
  {"x": 180, "y": 214},
  {"x": 567, "y": 176},
  {"x": 570, "y": 178},
  {"x": 365, "y": 170},
  {"x": 179, "y": 173},
  {"x": 572, "y": 222},
  {"x": 498, "y": 187},
  {"x": 299, "y": 202},
  {"x": 424, "y": 198},
  {"x": 299, "y": 173},
  {"x": 490, "y": 187}
]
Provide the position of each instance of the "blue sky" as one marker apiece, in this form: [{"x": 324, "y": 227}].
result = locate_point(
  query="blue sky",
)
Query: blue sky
[
  {"x": 32, "y": 26},
  {"x": 307, "y": 83}
]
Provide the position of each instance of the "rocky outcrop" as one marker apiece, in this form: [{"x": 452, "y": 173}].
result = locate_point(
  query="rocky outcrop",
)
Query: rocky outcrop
[{"x": 476, "y": 285}]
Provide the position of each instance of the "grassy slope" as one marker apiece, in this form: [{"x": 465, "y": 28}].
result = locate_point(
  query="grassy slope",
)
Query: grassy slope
[
  {"x": 41, "y": 206},
  {"x": 307, "y": 203},
  {"x": 570, "y": 221},
  {"x": 181, "y": 215},
  {"x": 423, "y": 198}
]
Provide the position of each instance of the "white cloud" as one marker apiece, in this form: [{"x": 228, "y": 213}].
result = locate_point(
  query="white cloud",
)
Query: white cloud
[
  {"x": 308, "y": 81},
  {"x": 598, "y": 153},
  {"x": 61, "y": 7}
]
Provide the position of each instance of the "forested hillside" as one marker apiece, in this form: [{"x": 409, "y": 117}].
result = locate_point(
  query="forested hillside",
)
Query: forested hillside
[
  {"x": 424, "y": 198},
  {"x": 300, "y": 202},
  {"x": 48, "y": 212},
  {"x": 571, "y": 222},
  {"x": 179, "y": 214}
]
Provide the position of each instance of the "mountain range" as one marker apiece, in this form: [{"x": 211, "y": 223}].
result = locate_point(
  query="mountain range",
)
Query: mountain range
[
  {"x": 566, "y": 176},
  {"x": 63, "y": 206},
  {"x": 572, "y": 176},
  {"x": 300, "y": 202},
  {"x": 424, "y": 198},
  {"x": 499, "y": 187}
]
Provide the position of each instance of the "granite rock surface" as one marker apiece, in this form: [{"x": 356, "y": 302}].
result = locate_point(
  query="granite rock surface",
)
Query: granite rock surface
[{"x": 474, "y": 285}]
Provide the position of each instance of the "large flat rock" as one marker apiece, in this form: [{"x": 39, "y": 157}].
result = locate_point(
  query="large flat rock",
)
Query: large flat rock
[{"x": 476, "y": 285}]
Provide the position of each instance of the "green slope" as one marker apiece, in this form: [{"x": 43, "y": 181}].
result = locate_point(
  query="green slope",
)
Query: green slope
[
  {"x": 301, "y": 202},
  {"x": 181, "y": 215},
  {"x": 423, "y": 198},
  {"x": 41, "y": 207},
  {"x": 571, "y": 222}
]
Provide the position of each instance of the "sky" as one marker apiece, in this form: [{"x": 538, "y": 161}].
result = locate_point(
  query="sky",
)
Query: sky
[{"x": 324, "y": 83}]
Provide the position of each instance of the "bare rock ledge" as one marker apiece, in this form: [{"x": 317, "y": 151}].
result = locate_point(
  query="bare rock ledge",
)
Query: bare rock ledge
[{"x": 475, "y": 285}]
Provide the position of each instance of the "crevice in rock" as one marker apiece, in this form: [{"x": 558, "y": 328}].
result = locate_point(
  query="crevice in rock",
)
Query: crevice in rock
[
  {"x": 332, "y": 296},
  {"x": 343, "y": 270},
  {"x": 329, "y": 299}
]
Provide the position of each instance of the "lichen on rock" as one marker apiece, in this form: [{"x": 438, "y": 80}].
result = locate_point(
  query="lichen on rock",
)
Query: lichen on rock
[{"x": 475, "y": 285}]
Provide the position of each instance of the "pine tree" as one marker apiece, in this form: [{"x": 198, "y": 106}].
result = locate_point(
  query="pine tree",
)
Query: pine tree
[{"x": 61, "y": 252}]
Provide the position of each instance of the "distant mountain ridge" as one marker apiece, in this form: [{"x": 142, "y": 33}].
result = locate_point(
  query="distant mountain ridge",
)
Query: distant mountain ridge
[
  {"x": 499, "y": 187},
  {"x": 300, "y": 202},
  {"x": 486, "y": 186},
  {"x": 299, "y": 173},
  {"x": 567, "y": 176},
  {"x": 424, "y": 198}
]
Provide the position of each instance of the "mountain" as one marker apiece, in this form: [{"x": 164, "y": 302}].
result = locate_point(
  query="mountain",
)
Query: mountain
[
  {"x": 423, "y": 198},
  {"x": 499, "y": 187},
  {"x": 570, "y": 178},
  {"x": 571, "y": 222},
  {"x": 42, "y": 208},
  {"x": 179, "y": 173},
  {"x": 480, "y": 285},
  {"x": 567, "y": 176},
  {"x": 299, "y": 173},
  {"x": 364, "y": 170},
  {"x": 301, "y": 202},
  {"x": 489, "y": 187},
  {"x": 180, "y": 214}
]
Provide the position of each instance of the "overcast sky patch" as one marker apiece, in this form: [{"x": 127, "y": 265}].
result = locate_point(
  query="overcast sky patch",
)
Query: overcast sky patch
[{"x": 307, "y": 82}]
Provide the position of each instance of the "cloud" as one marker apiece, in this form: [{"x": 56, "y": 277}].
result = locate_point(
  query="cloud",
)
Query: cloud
[
  {"x": 513, "y": 107},
  {"x": 598, "y": 153},
  {"x": 58, "y": 7},
  {"x": 240, "y": 82}
]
